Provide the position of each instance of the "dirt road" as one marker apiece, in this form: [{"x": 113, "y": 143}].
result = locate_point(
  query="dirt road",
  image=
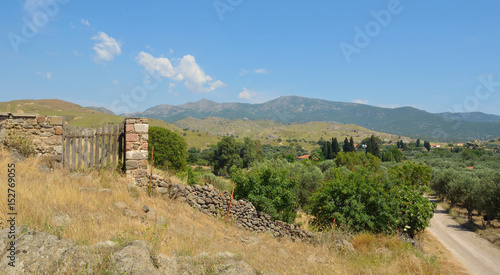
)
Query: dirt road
[{"x": 478, "y": 255}]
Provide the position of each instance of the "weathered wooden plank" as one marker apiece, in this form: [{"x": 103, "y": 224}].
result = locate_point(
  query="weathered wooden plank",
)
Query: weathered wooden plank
[
  {"x": 73, "y": 149},
  {"x": 86, "y": 148},
  {"x": 79, "y": 147},
  {"x": 108, "y": 146},
  {"x": 96, "y": 148},
  {"x": 114, "y": 150},
  {"x": 103, "y": 147},
  {"x": 91, "y": 141},
  {"x": 121, "y": 149}
]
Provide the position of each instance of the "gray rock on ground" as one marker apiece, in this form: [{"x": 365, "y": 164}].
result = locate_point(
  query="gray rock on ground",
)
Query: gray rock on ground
[{"x": 43, "y": 253}]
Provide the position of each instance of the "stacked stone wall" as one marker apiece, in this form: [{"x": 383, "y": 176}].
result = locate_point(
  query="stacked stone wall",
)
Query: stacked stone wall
[
  {"x": 44, "y": 131},
  {"x": 213, "y": 202}
]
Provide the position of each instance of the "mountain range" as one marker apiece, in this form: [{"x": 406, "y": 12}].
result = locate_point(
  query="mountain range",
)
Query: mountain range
[{"x": 406, "y": 121}]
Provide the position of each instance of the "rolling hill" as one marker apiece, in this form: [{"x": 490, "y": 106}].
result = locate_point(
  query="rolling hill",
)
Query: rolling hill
[
  {"x": 77, "y": 115},
  {"x": 277, "y": 133},
  {"x": 405, "y": 121}
]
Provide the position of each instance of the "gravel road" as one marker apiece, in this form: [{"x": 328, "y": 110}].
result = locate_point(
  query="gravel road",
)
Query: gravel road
[{"x": 478, "y": 255}]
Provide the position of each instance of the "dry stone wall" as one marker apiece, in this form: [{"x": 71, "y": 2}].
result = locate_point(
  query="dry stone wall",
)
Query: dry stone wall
[
  {"x": 45, "y": 131},
  {"x": 213, "y": 202}
]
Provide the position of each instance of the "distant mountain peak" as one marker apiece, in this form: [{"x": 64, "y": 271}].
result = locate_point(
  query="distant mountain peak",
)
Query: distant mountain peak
[{"x": 405, "y": 121}]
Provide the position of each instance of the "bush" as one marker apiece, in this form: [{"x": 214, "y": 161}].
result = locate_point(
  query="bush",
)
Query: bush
[
  {"x": 411, "y": 173},
  {"x": 20, "y": 142},
  {"x": 351, "y": 160},
  {"x": 170, "y": 148},
  {"x": 364, "y": 201},
  {"x": 327, "y": 164},
  {"x": 308, "y": 177},
  {"x": 192, "y": 177},
  {"x": 393, "y": 155},
  {"x": 269, "y": 187}
]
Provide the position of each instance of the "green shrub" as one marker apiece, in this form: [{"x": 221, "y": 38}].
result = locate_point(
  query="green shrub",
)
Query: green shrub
[
  {"x": 365, "y": 201},
  {"x": 269, "y": 187},
  {"x": 170, "y": 148},
  {"x": 20, "y": 142},
  {"x": 308, "y": 177},
  {"x": 411, "y": 173},
  {"x": 192, "y": 177},
  {"x": 351, "y": 160}
]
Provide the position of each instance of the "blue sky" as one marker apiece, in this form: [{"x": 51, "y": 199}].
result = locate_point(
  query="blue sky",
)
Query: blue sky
[{"x": 129, "y": 56}]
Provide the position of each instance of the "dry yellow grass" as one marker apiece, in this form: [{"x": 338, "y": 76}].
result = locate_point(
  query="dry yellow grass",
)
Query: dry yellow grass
[{"x": 42, "y": 196}]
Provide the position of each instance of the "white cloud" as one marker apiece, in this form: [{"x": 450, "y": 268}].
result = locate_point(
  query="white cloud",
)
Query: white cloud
[
  {"x": 171, "y": 87},
  {"x": 186, "y": 70},
  {"x": 107, "y": 47},
  {"x": 114, "y": 81},
  {"x": 247, "y": 94},
  {"x": 359, "y": 101},
  {"x": 47, "y": 75},
  {"x": 85, "y": 22},
  {"x": 260, "y": 71},
  {"x": 390, "y": 106},
  {"x": 243, "y": 72}
]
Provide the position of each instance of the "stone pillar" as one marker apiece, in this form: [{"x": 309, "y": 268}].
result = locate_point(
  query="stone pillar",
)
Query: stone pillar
[{"x": 136, "y": 150}]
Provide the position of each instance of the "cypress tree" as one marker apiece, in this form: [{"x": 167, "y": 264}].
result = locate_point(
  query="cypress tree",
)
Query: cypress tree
[
  {"x": 329, "y": 151},
  {"x": 335, "y": 147},
  {"x": 351, "y": 144},
  {"x": 346, "y": 147}
]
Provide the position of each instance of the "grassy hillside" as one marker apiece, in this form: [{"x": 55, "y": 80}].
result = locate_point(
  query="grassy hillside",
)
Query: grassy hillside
[
  {"x": 269, "y": 132},
  {"x": 91, "y": 218},
  {"x": 77, "y": 115}
]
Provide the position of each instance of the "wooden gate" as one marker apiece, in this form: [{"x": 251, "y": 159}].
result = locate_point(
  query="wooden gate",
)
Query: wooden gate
[{"x": 93, "y": 148}]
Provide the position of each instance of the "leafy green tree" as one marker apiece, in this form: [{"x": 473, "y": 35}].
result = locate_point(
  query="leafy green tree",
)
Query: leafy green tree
[
  {"x": 251, "y": 152},
  {"x": 440, "y": 180},
  {"x": 194, "y": 155},
  {"x": 226, "y": 155},
  {"x": 411, "y": 173},
  {"x": 464, "y": 188},
  {"x": 417, "y": 144},
  {"x": 427, "y": 145},
  {"x": 488, "y": 196},
  {"x": 335, "y": 147},
  {"x": 352, "y": 160},
  {"x": 329, "y": 151},
  {"x": 402, "y": 145},
  {"x": 347, "y": 146},
  {"x": 364, "y": 201},
  {"x": 393, "y": 155},
  {"x": 317, "y": 154},
  {"x": 269, "y": 187},
  {"x": 325, "y": 165},
  {"x": 170, "y": 148},
  {"x": 308, "y": 177},
  {"x": 352, "y": 148},
  {"x": 373, "y": 145}
]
